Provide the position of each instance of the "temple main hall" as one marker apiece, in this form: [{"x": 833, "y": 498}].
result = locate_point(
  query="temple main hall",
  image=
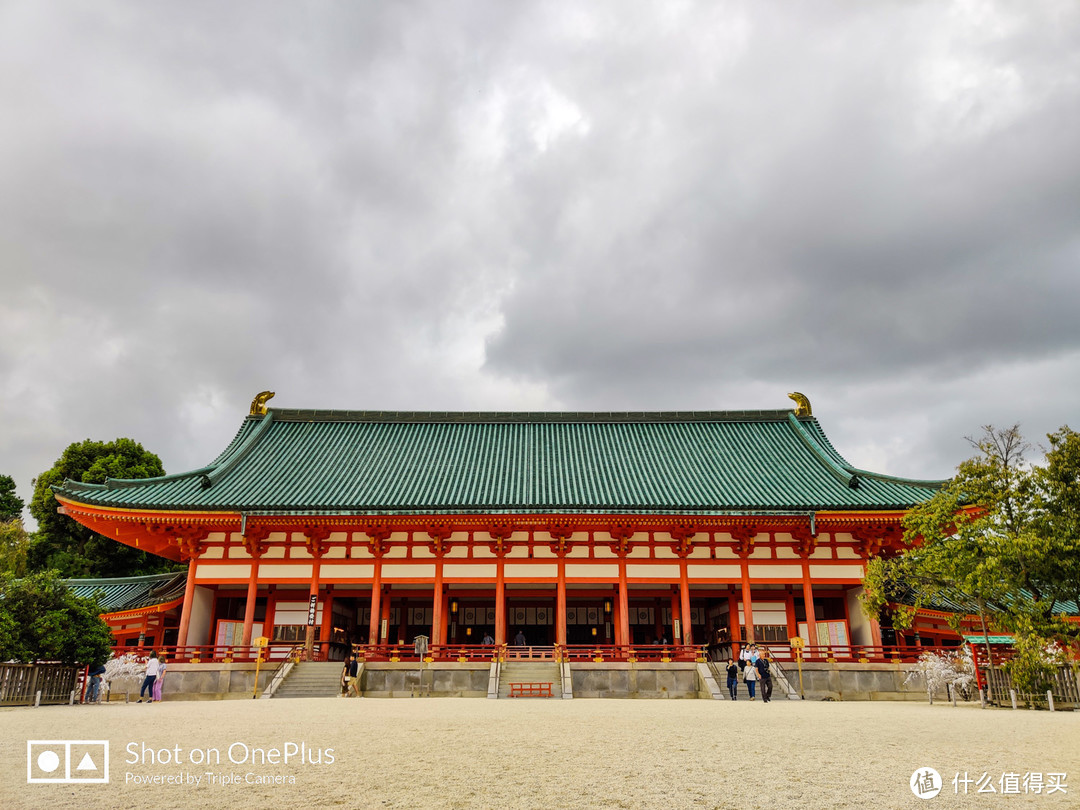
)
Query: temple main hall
[{"x": 336, "y": 529}]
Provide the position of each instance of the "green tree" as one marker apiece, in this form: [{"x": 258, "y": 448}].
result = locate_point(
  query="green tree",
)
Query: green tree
[
  {"x": 11, "y": 505},
  {"x": 998, "y": 537},
  {"x": 69, "y": 547},
  {"x": 14, "y": 544},
  {"x": 42, "y": 620}
]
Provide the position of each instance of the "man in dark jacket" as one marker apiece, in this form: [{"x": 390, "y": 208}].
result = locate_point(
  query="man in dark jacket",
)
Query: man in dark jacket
[{"x": 764, "y": 671}]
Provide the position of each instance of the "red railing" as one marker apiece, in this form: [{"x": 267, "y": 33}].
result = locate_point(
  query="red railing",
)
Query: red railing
[
  {"x": 220, "y": 653},
  {"x": 632, "y": 652}
]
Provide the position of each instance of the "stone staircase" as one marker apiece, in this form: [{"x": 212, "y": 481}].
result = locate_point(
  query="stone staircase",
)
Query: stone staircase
[
  {"x": 530, "y": 672},
  {"x": 310, "y": 679}
]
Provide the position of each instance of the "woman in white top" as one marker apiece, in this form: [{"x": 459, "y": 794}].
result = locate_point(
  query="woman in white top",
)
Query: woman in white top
[
  {"x": 750, "y": 675},
  {"x": 152, "y": 668}
]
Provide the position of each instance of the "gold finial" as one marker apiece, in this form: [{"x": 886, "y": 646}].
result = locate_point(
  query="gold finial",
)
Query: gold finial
[
  {"x": 802, "y": 404},
  {"x": 258, "y": 405}
]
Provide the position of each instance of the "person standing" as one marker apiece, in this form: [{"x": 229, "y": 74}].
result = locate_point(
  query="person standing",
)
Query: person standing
[
  {"x": 93, "y": 690},
  {"x": 733, "y": 678},
  {"x": 152, "y": 667},
  {"x": 750, "y": 675},
  {"x": 159, "y": 681},
  {"x": 352, "y": 676},
  {"x": 764, "y": 673},
  {"x": 519, "y": 639}
]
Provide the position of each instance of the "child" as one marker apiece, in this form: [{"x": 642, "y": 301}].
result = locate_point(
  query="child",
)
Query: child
[
  {"x": 751, "y": 680},
  {"x": 159, "y": 680}
]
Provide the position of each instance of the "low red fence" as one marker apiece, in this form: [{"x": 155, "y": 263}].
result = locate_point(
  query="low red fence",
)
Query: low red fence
[
  {"x": 846, "y": 653},
  {"x": 206, "y": 653}
]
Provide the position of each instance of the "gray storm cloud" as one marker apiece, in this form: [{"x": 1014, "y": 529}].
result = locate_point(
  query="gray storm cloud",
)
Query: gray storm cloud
[{"x": 538, "y": 205}]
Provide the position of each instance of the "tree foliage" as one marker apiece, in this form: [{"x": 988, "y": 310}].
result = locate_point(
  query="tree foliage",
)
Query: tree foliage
[
  {"x": 11, "y": 505},
  {"x": 42, "y": 620},
  {"x": 67, "y": 546},
  {"x": 14, "y": 545},
  {"x": 1001, "y": 536}
]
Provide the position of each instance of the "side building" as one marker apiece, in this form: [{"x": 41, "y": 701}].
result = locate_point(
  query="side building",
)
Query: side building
[{"x": 331, "y": 528}]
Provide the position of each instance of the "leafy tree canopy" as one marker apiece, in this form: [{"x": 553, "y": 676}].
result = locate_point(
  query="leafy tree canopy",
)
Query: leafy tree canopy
[
  {"x": 14, "y": 544},
  {"x": 72, "y": 549},
  {"x": 1001, "y": 536},
  {"x": 42, "y": 620},
  {"x": 11, "y": 505}
]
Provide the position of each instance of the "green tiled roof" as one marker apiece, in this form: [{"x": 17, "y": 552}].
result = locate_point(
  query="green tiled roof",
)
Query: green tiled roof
[
  {"x": 365, "y": 462},
  {"x": 128, "y": 593}
]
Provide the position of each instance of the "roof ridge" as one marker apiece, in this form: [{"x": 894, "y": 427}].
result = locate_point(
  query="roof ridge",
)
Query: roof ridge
[{"x": 556, "y": 417}]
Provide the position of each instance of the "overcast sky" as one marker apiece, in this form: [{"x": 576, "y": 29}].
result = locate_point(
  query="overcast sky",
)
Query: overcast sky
[{"x": 538, "y": 206}]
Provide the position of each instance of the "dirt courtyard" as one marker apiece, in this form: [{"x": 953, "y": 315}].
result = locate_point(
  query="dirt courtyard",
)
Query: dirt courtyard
[{"x": 475, "y": 753}]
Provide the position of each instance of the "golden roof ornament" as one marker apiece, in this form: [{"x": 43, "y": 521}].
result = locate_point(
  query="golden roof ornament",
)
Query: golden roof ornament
[
  {"x": 258, "y": 405},
  {"x": 802, "y": 404}
]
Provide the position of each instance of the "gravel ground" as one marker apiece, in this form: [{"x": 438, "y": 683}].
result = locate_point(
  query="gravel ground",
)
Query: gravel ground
[{"x": 462, "y": 753}]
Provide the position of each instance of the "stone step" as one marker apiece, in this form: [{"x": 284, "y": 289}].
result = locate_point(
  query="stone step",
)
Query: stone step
[{"x": 530, "y": 672}]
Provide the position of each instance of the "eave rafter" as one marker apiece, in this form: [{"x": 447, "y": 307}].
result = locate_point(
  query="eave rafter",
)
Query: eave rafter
[{"x": 182, "y": 535}]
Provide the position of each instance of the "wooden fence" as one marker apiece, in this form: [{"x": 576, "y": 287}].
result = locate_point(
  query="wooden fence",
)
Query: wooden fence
[
  {"x": 20, "y": 683},
  {"x": 1063, "y": 685}
]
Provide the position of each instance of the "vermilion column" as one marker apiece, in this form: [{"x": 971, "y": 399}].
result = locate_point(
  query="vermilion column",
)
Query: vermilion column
[
  {"x": 376, "y": 595},
  {"x": 808, "y": 599},
  {"x": 438, "y": 626},
  {"x": 500, "y": 604},
  {"x": 684, "y": 591},
  {"x": 249, "y": 606},
  {"x": 185, "y": 611},
  {"x": 747, "y": 604},
  {"x": 560, "y": 604},
  {"x": 623, "y": 634}
]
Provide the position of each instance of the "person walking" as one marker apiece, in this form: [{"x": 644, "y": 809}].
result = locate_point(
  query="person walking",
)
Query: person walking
[
  {"x": 152, "y": 668},
  {"x": 750, "y": 676},
  {"x": 733, "y": 678},
  {"x": 764, "y": 673}
]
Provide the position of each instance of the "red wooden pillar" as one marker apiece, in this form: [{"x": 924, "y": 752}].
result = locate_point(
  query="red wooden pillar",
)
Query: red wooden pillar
[
  {"x": 249, "y": 605},
  {"x": 327, "y": 623},
  {"x": 376, "y": 595},
  {"x": 808, "y": 599},
  {"x": 560, "y": 604},
  {"x": 438, "y": 626},
  {"x": 875, "y": 632},
  {"x": 684, "y": 592},
  {"x": 185, "y": 611},
  {"x": 622, "y": 635},
  {"x": 747, "y": 603},
  {"x": 500, "y": 604}
]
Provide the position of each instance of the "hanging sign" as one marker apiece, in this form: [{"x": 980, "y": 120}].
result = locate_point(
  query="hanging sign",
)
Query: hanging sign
[{"x": 313, "y": 604}]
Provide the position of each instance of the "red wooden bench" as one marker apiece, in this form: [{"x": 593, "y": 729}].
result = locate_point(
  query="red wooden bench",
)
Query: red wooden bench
[{"x": 530, "y": 690}]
